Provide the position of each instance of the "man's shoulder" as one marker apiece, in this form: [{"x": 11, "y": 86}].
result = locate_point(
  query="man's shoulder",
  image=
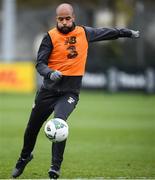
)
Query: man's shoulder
[
  {"x": 80, "y": 29},
  {"x": 52, "y": 30}
]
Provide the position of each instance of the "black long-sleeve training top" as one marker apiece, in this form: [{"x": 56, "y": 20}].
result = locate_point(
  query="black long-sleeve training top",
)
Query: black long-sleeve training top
[{"x": 72, "y": 83}]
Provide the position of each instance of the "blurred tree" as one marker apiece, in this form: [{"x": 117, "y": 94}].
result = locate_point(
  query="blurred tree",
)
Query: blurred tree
[
  {"x": 126, "y": 7},
  {"x": 42, "y": 3}
]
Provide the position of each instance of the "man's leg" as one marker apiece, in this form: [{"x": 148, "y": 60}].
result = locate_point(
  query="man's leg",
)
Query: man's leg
[
  {"x": 38, "y": 116},
  {"x": 64, "y": 106},
  {"x": 41, "y": 111}
]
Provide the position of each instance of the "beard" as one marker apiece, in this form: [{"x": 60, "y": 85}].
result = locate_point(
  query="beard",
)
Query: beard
[{"x": 65, "y": 29}]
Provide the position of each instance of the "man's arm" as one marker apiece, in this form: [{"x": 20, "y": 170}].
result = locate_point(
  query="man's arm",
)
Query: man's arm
[
  {"x": 43, "y": 54},
  {"x": 100, "y": 34}
]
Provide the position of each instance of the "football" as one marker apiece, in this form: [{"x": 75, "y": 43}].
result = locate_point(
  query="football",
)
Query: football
[{"x": 56, "y": 130}]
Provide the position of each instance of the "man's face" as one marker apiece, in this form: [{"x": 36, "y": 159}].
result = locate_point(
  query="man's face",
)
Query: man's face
[{"x": 65, "y": 22}]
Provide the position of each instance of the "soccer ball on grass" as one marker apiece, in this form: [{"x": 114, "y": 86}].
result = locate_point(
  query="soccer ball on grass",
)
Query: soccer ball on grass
[{"x": 56, "y": 130}]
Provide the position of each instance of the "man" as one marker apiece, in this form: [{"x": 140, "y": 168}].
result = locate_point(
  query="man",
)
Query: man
[{"x": 61, "y": 61}]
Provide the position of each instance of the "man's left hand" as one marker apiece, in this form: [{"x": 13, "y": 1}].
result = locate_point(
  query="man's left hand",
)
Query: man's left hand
[{"x": 135, "y": 34}]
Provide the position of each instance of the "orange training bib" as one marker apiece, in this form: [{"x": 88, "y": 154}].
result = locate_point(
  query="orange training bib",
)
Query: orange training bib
[{"x": 69, "y": 52}]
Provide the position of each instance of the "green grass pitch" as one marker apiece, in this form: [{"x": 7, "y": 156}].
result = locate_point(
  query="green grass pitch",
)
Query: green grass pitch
[{"x": 111, "y": 135}]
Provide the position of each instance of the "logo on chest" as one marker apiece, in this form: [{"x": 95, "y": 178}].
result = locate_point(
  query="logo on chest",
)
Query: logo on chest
[{"x": 70, "y": 43}]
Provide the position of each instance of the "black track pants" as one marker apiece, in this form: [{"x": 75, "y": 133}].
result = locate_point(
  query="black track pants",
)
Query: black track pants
[{"x": 47, "y": 102}]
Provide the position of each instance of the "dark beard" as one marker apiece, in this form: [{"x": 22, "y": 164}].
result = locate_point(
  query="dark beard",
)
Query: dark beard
[{"x": 66, "y": 30}]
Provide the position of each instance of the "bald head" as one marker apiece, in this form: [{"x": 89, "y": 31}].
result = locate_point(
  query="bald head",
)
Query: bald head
[
  {"x": 64, "y": 8},
  {"x": 65, "y": 18}
]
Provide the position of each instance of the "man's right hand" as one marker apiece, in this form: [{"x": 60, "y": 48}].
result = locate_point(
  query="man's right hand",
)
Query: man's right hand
[{"x": 56, "y": 75}]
